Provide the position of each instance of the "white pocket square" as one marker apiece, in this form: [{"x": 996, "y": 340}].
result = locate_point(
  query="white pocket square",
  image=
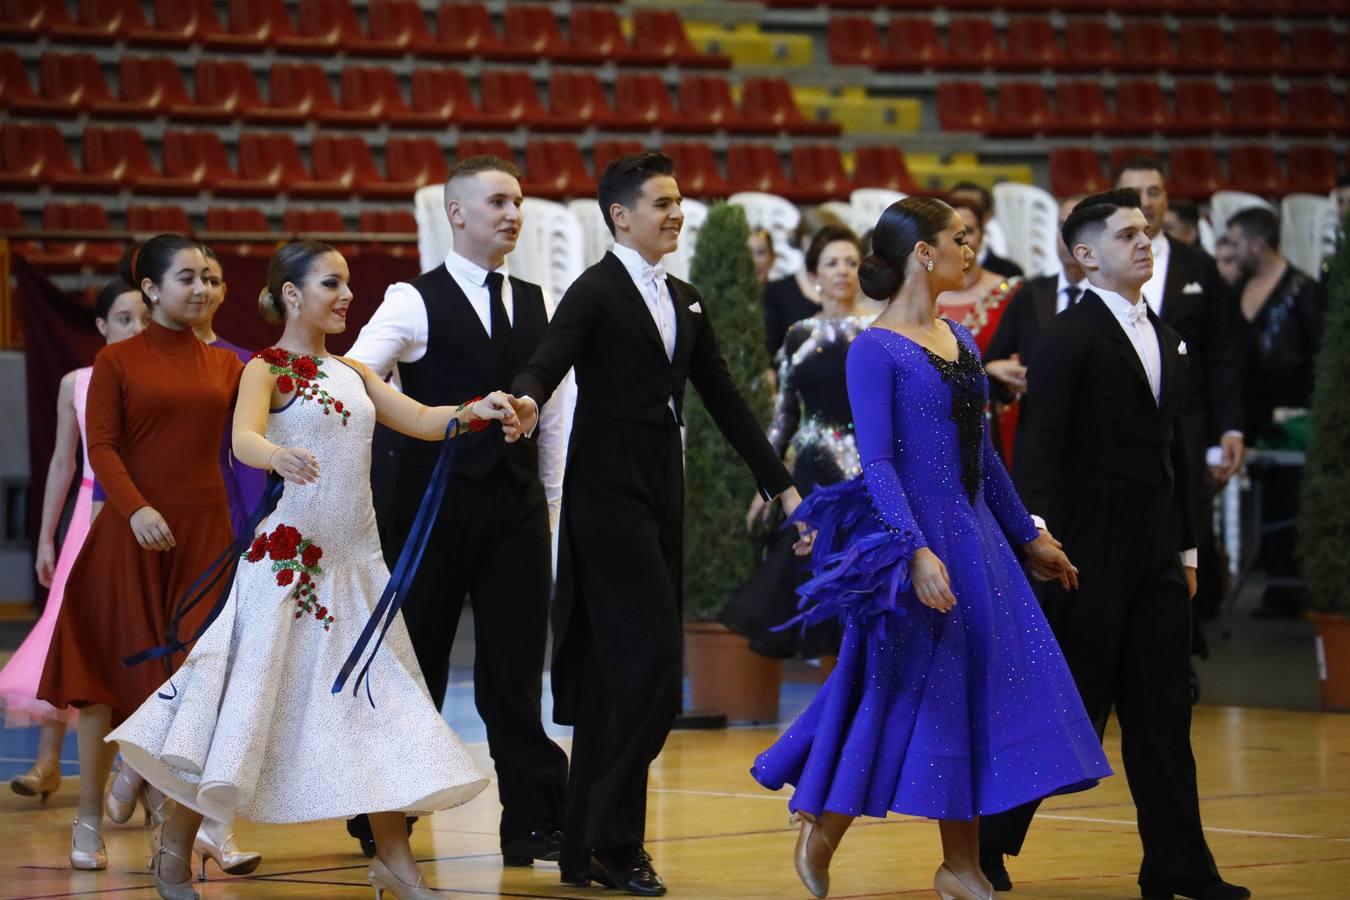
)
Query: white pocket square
[
  {"x": 1193, "y": 288},
  {"x": 695, "y": 308},
  {"x": 1181, "y": 349}
]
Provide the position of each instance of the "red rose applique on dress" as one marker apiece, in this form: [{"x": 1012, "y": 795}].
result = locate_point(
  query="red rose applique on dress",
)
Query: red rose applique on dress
[
  {"x": 295, "y": 561},
  {"x": 301, "y": 374}
]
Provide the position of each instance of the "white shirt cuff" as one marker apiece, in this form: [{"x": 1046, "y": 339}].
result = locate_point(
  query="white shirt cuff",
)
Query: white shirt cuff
[
  {"x": 1189, "y": 558},
  {"x": 531, "y": 432},
  {"x": 1039, "y": 522}
]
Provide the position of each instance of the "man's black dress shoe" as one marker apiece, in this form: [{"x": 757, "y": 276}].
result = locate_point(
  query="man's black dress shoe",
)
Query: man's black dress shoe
[
  {"x": 359, "y": 828},
  {"x": 628, "y": 871},
  {"x": 1217, "y": 889},
  {"x": 524, "y": 849},
  {"x": 583, "y": 879},
  {"x": 991, "y": 864}
]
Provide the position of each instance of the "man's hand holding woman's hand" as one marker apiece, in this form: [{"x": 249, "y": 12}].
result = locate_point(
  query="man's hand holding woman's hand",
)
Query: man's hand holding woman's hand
[{"x": 1048, "y": 562}]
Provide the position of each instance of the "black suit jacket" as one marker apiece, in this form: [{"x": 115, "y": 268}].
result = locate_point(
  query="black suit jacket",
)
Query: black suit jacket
[
  {"x": 1001, "y": 265},
  {"x": 1095, "y": 422},
  {"x": 1206, "y": 318}
]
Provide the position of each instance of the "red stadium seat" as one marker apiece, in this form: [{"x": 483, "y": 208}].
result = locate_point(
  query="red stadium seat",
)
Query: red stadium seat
[
  {"x": 756, "y": 167},
  {"x": 326, "y": 26},
  {"x": 1141, "y": 107},
  {"x": 555, "y": 170},
  {"x": 1090, "y": 45},
  {"x": 177, "y": 24},
  {"x": 579, "y": 97},
  {"x": 484, "y": 146},
  {"x": 660, "y": 31},
  {"x": 226, "y": 90},
  {"x": 372, "y": 93},
  {"x": 301, "y": 93},
  {"x": 73, "y": 254},
  {"x": 148, "y": 86},
  {"x": 465, "y": 30},
  {"x": 854, "y": 41},
  {"x": 883, "y": 166},
  {"x": 1258, "y": 48},
  {"x": 153, "y": 220},
  {"x": 102, "y": 22},
  {"x": 15, "y": 88},
  {"x": 322, "y": 224},
  {"x": 1076, "y": 170},
  {"x": 69, "y": 83},
  {"x": 269, "y": 164},
  {"x": 223, "y": 221},
  {"x": 1145, "y": 44},
  {"x": 769, "y": 101},
  {"x": 645, "y": 99},
  {"x": 605, "y": 152},
  {"x": 1122, "y": 152},
  {"x": 1199, "y": 107},
  {"x": 114, "y": 159},
  {"x": 598, "y": 33},
  {"x": 706, "y": 102},
  {"x": 1032, "y": 44},
  {"x": 442, "y": 97},
  {"x": 1081, "y": 108},
  {"x": 1256, "y": 107},
  {"x": 818, "y": 170},
  {"x": 389, "y": 222},
  {"x": 963, "y": 106},
  {"x": 1313, "y": 108},
  {"x": 1312, "y": 168},
  {"x": 1195, "y": 172},
  {"x": 412, "y": 163},
  {"x": 973, "y": 44},
  {"x": 1202, "y": 47},
  {"x": 11, "y": 219},
  {"x": 512, "y": 93},
  {"x": 533, "y": 29},
  {"x": 1023, "y": 110},
  {"x": 1254, "y": 169},
  {"x": 191, "y": 162},
  {"x": 914, "y": 45},
  {"x": 254, "y": 25},
  {"x": 33, "y": 155},
  {"x": 29, "y": 19},
  {"x": 394, "y": 27},
  {"x": 345, "y": 163},
  {"x": 1315, "y": 50},
  {"x": 696, "y": 170}
]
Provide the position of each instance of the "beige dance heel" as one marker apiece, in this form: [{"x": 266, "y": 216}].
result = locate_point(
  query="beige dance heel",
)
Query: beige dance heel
[
  {"x": 817, "y": 880},
  {"x": 116, "y": 808},
  {"x": 86, "y": 860},
  {"x": 177, "y": 890},
  {"x": 949, "y": 887},
  {"x": 383, "y": 879},
  {"x": 36, "y": 783},
  {"x": 230, "y": 859}
]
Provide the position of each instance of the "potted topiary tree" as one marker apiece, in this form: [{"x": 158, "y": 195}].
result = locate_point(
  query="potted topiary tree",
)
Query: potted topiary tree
[
  {"x": 725, "y": 675},
  {"x": 1324, "y": 522}
]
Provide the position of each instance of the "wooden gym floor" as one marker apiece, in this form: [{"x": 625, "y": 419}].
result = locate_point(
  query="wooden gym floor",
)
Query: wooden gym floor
[{"x": 1275, "y": 788}]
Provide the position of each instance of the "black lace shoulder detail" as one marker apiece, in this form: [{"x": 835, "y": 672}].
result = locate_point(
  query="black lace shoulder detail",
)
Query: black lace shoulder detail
[{"x": 965, "y": 376}]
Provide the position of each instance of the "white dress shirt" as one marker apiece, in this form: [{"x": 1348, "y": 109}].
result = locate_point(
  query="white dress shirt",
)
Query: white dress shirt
[
  {"x": 651, "y": 284},
  {"x": 1062, "y": 291},
  {"x": 397, "y": 332},
  {"x": 1152, "y": 290}
]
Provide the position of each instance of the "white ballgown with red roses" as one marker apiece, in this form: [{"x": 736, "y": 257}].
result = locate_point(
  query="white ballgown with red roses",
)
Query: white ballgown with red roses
[{"x": 252, "y": 728}]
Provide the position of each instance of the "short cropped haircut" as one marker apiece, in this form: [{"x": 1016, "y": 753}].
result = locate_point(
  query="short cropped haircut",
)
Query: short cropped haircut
[
  {"x": 1187, "y": 212},
  {"x": 1258, "y": 222},
  {"x": 986, "y": 206},
  {"x": 1090, "y": 215},
  {"x": 483, "y": 162},
  {"x": 624, "y": 177},
  {"x": 1141, "y": 163}
]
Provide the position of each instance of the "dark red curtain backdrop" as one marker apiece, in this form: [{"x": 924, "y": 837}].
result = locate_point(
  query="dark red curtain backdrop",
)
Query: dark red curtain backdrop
[{"x": 60, "y": 336}]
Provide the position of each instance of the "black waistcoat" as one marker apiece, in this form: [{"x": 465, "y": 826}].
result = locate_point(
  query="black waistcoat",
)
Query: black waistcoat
[{"x": 461, "y": 363}]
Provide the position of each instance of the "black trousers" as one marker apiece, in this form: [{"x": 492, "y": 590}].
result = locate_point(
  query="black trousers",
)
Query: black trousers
[
  {"x": 624, "y": 644},
  {"x": 491, "y": 545}
]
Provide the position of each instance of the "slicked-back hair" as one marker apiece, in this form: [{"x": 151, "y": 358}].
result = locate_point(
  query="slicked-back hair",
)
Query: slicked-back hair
[
  {"x": 483, "y": 162},
  {"x": 624, "y": 177},
  {"x": 1091, "y": 213},
  {"x": 1187, "y": 212},
  {"x": 1258, "y": 222},
  {"x": 1141, "y": 163}
]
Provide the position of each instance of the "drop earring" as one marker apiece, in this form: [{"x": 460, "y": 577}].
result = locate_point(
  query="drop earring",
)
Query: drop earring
[{"x": 929, "y": 265}]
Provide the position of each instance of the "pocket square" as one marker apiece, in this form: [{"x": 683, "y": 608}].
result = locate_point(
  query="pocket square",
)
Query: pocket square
[
  {"x": 695, "y": 308},
  {"x": 1181, "y": 349},
  {"x": 1193, "y": 288}
]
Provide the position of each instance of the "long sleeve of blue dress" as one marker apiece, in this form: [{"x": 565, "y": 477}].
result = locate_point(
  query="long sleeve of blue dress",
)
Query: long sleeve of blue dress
[{"x": 1001, "y": 498}]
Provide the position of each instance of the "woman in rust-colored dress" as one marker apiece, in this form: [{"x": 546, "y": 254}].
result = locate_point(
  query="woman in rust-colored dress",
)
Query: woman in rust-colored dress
[{"x": 157, "y": 407}]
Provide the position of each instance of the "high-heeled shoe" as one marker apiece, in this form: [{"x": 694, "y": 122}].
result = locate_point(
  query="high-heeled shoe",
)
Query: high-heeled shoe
[
  {"x": 816, "y": 879},
  {"x": 176, "y": 890},
  {"x": 86, "y": 860},
  {"x": 35, "y": 782},
  {"x": 383, "y": 879},
  {"x": 949, "y": 887},
  {"x": 116, "y": 808},
  {"x": 230, "y": 859}
]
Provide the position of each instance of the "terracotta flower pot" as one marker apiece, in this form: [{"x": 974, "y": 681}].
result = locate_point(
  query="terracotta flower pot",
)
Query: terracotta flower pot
[
  {"x": 726, "y": 676},
  {"x": 1333, "y": 659}
]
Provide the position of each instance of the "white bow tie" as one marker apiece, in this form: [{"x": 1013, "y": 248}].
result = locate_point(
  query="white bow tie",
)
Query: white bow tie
[
  {"x": 653, "y": 273},
  {"x": 1136, "y": 313}
]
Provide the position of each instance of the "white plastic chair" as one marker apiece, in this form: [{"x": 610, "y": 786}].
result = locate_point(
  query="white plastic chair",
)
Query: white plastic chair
[
  {"x": 1030, "y": 220},
  {"x": 868, "y": 205},
  {"x": 780, "y": 218},
  {"x": 842, "y": 211},
  {"x": 596, "y": 239},
  {"x": 549, "y": 251},
  {"x": 1307, "y": 231},
  {"x": 695, "y": 214},
  {"x": 1226, "y": 204},
  {"x": 434, "y": 237}
]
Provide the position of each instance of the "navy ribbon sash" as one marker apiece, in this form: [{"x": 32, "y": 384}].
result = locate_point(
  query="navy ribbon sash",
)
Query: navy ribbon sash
[
  {"x": 220, "y": 571},
  {"x": 400, "y": 580}
]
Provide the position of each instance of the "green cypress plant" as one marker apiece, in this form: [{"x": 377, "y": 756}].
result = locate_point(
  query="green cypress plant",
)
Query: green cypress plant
[
  {"x": 1324, "y": 519},
  {"x": 718, "y": 486}
]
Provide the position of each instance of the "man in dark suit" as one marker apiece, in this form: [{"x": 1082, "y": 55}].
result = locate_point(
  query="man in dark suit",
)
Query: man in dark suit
[
  {"x": 1030, "y": 312},
  {"x": 634, "y": 335},
  {"x": 456, "y": 332},
  {"x": 1107, "y": 468},
  {"x": 1187, "y": 293}
]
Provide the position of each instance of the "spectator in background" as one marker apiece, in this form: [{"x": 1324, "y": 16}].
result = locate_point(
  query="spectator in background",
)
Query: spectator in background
[
  {"x": 794, "y": 297},
  {"x": 761, "y": 252},
  {"x": 1225, "y": 258},
  {"x": 1280, "y": 329},
  {"x": 973, "y": 196},
  {"x": 1341, "y": 194},
  {"x": 1181, "y": 223}
]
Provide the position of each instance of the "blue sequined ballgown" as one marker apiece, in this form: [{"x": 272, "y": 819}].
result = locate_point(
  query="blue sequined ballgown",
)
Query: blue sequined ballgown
[{"x": 944, "y": 715}]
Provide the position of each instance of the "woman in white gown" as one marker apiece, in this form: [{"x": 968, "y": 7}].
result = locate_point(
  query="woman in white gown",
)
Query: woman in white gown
[{"x": 248, "y": 724}]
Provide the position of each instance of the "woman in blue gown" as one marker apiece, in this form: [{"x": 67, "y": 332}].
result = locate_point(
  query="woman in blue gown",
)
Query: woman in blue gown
[{"x": 951, "y": 699}]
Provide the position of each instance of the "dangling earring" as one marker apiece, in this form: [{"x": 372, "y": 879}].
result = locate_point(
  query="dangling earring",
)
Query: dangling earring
[
  {"x": 817, "y": 287},
  {"x": 929, "y": 265}
]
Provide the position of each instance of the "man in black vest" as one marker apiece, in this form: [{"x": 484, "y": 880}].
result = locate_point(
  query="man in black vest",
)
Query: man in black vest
[
  {"x": 458, "y": 332},
  {"x": 635, "y": 335},
  {"x": 1107, "y": 466}
]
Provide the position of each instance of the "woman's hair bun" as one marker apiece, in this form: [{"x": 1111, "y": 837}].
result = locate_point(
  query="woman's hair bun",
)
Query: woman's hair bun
[
  {"x": 269, "y": 307},
  {"x": 878, "y": 278}
]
